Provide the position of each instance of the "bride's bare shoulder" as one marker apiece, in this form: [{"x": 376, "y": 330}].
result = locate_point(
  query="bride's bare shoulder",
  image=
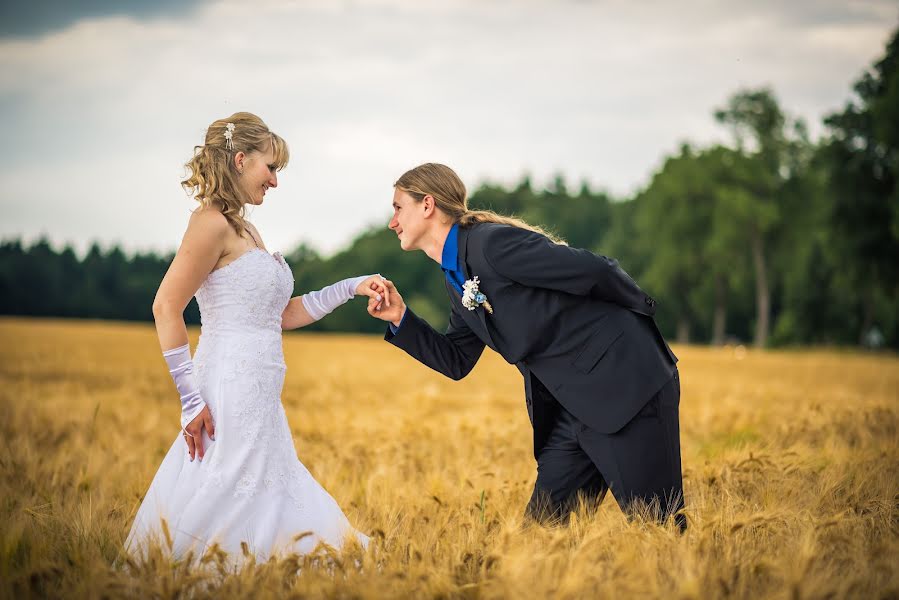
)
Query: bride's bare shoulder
[{"x": 210, "y": 220}]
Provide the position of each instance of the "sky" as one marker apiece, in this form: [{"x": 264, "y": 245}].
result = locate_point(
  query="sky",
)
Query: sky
[{"x": 102, "y": 102}]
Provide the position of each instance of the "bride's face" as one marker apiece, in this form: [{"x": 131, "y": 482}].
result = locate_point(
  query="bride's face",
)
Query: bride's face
[{"x": 258, "y": 175}]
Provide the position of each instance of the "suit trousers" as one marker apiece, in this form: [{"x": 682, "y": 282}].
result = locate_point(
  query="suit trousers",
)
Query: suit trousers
[{"x": 640, "y": 463}]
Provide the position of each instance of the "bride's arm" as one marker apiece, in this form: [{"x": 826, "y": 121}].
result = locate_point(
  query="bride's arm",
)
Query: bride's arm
[
  {"x": 295, "y": 315},
  {"x": 200, "y": 250},
  {"x": 309, "y": 308}
]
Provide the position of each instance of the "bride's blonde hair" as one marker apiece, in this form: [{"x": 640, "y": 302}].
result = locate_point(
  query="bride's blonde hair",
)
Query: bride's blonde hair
[
  {"x": 212, "y": 175},
  {"x": 450, "y": 196}
]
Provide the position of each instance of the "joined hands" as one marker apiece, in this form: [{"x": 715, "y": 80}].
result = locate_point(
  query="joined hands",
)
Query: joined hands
[
  {"x": 391, "y": 308},
  {"x": 375, "y": 287}
]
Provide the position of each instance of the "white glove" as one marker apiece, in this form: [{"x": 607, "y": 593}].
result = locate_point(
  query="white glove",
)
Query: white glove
[
  {"x": 181, "y": 367},
  {"x": 320, "y": 303}
]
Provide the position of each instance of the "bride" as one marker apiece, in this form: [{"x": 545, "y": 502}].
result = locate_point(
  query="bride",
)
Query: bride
[{"x": 232, "y": 475}]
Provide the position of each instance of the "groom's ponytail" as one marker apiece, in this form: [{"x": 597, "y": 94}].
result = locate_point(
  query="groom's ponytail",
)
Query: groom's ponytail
[
  {"x": 448, "y": 191},
  {"x": 471, "y": 217}
]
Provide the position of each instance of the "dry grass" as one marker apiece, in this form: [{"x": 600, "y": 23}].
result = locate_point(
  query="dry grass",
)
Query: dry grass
[{"x": 791, "y": 466}]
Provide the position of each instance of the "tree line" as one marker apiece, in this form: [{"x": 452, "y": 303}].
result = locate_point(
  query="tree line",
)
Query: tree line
[{"x": 770, "y": 238}]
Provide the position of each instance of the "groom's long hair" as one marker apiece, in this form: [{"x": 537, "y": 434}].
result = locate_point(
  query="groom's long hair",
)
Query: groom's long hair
[{"x": 450, "y": 196}]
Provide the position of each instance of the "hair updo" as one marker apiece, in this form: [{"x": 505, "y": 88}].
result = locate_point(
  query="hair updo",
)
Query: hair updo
[{"x": 213, "y": 176}]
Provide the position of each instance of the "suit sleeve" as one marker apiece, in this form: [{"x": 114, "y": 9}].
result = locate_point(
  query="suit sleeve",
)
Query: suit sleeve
[
  {"x": 453, "y": 354},
  {"x": 533, "y": 260}
]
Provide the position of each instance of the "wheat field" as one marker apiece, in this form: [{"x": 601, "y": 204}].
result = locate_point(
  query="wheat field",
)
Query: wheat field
[{"x": 791, "y": 466}]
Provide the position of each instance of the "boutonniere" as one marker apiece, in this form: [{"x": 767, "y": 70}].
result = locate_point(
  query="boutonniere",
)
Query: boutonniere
[{"x": 472, "y": 297}]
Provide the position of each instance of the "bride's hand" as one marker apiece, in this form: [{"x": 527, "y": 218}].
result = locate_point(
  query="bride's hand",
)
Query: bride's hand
[
  {"x": 391, "y": 309},
  {"x": 375, "y": 288},
  {"x": 193, "y": 433}
]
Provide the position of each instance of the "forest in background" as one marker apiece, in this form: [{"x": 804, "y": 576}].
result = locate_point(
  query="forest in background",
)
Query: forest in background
[{"x": 772, "y": 238}]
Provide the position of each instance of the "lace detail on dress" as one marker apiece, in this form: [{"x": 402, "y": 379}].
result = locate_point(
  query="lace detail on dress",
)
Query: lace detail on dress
[
  {"x": 248, "y": 294},
  {"x": 240, "y": 308}
]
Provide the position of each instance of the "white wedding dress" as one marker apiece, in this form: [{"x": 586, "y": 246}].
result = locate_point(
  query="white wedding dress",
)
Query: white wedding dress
[{"x": 250, "y": 486}]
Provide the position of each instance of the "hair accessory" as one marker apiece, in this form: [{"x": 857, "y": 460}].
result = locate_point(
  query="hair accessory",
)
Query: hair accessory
[{"x": 229, "y": 136}]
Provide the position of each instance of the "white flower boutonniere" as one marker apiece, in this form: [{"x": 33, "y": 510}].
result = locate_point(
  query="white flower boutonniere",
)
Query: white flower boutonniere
[{"x": 472, "y": 297}]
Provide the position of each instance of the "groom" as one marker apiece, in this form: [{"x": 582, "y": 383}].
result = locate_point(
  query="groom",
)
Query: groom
[{"x": 601, "y": 384}]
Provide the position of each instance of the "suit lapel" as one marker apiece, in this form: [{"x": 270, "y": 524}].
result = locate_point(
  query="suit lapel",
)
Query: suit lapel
[
  {"x": 480, "y": 312},
  {"x": 477, "y": 325},
  {"x": 455, "y": 298}
]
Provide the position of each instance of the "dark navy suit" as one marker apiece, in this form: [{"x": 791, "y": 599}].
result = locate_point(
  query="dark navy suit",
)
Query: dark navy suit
[{"x": 601, "y": 384}]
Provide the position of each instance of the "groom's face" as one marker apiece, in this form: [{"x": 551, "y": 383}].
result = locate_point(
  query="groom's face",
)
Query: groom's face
[{"x": 408, "y": 220}]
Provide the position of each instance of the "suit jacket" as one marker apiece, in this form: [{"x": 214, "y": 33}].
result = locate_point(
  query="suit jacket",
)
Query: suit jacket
[{"x": 578, "y": 328}]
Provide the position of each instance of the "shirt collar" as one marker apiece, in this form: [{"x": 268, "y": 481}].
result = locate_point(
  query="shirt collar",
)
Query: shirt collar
[{"x": 450, "y": 259}]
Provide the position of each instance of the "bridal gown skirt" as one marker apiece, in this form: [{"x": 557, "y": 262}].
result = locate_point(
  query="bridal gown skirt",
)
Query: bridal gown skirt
[{"x": 250, "y": 486}]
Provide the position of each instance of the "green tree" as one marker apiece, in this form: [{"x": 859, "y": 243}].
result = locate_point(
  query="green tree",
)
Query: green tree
[
  {"x": 671, "y": 222},
  {"x": 862, "y": 150},
  {"x": 690, "y": 242},
  {"x": 771, "y": 150}
]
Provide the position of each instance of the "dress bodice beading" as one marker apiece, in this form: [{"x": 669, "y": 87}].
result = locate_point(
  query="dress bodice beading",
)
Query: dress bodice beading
[{"x": 246, "y": 296}]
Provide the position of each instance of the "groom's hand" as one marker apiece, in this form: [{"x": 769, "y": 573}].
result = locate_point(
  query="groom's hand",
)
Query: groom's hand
[{"x": 391, "y": 309}]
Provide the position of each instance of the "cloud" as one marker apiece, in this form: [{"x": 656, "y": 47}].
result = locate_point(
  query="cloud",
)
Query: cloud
[
  {"x": 29, "y": 19},
  {"x": 103, "y": 113}
]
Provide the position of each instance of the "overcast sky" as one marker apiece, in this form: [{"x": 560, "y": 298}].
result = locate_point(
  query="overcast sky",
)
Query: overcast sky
[{"x": 101, "y": 103}]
